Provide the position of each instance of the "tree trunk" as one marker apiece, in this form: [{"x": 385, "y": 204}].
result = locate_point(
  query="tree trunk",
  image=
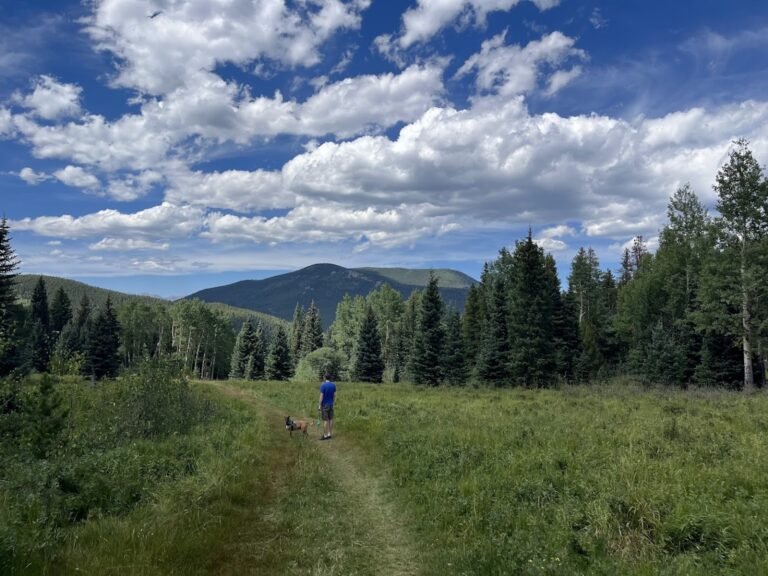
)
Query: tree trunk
[{"x": 746, "y": 322}]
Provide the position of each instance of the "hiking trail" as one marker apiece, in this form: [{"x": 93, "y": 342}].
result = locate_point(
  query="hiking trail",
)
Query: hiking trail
[{"x": 379, "y": 529}]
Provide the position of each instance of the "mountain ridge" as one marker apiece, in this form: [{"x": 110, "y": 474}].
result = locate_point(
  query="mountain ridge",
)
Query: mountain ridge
[{"x": 325, "y": 284}]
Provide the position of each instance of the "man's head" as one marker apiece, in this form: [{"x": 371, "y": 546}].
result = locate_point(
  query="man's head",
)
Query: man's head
[{"x": 327, "y": 377}]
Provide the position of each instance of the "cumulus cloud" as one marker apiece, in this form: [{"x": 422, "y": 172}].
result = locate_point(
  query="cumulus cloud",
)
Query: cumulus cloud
[
  {"x": 431, "y": 16},
  {"x": 214, "y": 111},
  {"x": 514, "y": 69},
  {"x": 31, "y": 177},
  {"x": 332, "y": 223},
  {"x": 163, "y": 221},
  {"x": 159, "y": 54},
  {"x": 77, "y": 177},
  {"x": 51, "y": 99},
  {"x": 128, "y": 244}
]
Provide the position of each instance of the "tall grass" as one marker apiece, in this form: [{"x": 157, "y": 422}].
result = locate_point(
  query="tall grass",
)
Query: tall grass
[{"x": 608, "y": 480}]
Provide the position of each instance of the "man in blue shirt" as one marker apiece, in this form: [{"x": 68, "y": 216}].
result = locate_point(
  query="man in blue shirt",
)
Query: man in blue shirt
[{"x": 327, "y": 394}]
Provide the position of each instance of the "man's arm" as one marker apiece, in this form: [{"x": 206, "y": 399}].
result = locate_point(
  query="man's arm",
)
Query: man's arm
[{"x": 320, "y": 401}]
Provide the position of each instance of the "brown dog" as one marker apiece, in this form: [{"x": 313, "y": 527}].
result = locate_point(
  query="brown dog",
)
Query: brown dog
[{"x": 300, "y": 425}]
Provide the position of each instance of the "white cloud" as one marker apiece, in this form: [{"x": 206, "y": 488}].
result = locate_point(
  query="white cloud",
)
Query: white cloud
[
  {"x": 51, "y": 99},
  {"x": 219, "y": 112},
  {"x": 332, "y": 223},
  {"x": 514, "y": 69},
  {"x": 77, "y": 177},
  {"x": 431, "y": 16},
  {"x": 163, "y": 221},
  {"x": 159, "y": 54},
  {"x": 126, "y": 244},
  {"x": 232, "y": 189},
  {"x": 557, "y": 231},
  {"x": 31, "y": 177},
  {"x": 560, "y": 79},
  {"x": 7, "y": 126}
]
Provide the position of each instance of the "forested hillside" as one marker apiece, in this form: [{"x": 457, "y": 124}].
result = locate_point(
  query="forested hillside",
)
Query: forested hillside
[{"x": 325, "y": 285}]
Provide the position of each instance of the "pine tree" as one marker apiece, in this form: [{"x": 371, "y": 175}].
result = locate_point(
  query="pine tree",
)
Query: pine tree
[
  {"x": 565, "y": 331},
  {"x": 455, "y": 355},
  {"x": 532, "y": 358},
  {"x": 40, "y": 342},
  {"x": 369, "y": 365},
  {"x": 9, "y": 264},
  {"x": 493, "y": 361},
  {"x": 258, "y": 353},
  {"x": 472, "y": 324},
  {"x": 61, "y": 311},
  {"x": 239, "y": 353},
  {"x": 103, "y": 360},
  {"x": 278, "y": 364},
  {"x": 428, "y": 341},
  {"x": 297, "y": 333},
  {"x": 40, "y": 311},
  {"x": 312, "y": 332}
]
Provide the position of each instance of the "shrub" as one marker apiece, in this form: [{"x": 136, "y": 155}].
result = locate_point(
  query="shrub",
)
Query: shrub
[{"x": 318, "y": 363}]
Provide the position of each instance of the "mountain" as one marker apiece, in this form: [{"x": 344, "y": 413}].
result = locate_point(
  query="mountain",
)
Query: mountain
[{"x": 326, "y": 284}]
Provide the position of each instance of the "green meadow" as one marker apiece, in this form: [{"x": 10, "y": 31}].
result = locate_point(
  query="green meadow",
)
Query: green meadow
[{"x": 583, "y": 480}]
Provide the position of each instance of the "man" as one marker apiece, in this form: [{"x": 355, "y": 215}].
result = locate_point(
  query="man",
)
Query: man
[{"x": 327, "y": 394}]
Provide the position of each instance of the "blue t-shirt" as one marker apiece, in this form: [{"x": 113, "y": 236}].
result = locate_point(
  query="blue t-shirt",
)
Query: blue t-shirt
[{"x": 328, "y": 390}]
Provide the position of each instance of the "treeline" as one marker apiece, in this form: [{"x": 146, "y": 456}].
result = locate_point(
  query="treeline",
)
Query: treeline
[
  {"x": 695, "y": 312},
  {"x": 53, "y": 334}
]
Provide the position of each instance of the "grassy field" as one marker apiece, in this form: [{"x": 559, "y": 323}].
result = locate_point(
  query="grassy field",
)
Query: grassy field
[
  {"x": 610, "y": 480},
  {"x": 614, "y": 480}
]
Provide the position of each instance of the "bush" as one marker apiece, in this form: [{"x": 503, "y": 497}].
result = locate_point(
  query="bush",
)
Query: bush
[{"x": 318, "y": 363}]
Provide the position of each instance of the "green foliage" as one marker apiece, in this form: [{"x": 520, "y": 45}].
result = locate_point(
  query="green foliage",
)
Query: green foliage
[
  {"x": 369, "y": 364},
  {"x": 73, "y": 452},
  {"x": 312, "y": 331},
  {"x": 454, "y": 353},
  {"x": 278, "y": 364},
  {"x": 531, "y": 296},
  {"x": 319, "y": 362},
  {"x": 428, "y": 338},
  {"x": 493, "y": 361},
  {"x": 61, "y": 311},
  {"x": 103, "y": 360}
]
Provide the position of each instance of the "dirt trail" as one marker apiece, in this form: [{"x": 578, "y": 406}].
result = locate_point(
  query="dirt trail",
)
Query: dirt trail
[{"x": 384, "y": 535}]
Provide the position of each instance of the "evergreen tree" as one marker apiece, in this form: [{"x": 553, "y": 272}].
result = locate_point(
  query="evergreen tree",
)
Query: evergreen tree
[
  {"x": 61, "y": 311},
  {"x": 312, "y": 332},
  {"x": 40, "y": 342},
  {"x": 297, "y": 332},
  {"x": 493, "y": 361},
  {"x": 472, "y": 324},
  {"x": 40, "y": 311},
  {"x": 9, "y": 264},
  {"x": 103, "y": 359},
  {"x": 240, "y": 352},
  {"x": 565, "y": 330},
  {"x": 532, "y": 358},
  {"x": 369, "y": 365},
  {"x": 455, "y": 355},
  {"x": 278, "y": 364},
  {"x": 429, "y": 337},
  {"x": 743, "y": 205},
  {"x": 626, "y": 268},
  {"x": 258, "y": 353}
]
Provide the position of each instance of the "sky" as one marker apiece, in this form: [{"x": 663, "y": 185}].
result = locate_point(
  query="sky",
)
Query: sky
[{"x": 164, "y": 146}]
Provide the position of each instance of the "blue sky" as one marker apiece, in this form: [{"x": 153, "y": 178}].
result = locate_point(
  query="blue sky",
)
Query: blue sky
[{"x": 163, "y": 146}]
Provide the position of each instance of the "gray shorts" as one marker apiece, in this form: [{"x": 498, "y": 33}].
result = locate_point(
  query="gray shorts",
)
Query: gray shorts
[{"x": 327, "y": 412}]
